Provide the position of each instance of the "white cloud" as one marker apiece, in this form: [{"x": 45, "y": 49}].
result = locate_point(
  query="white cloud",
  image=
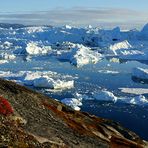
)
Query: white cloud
[{"x": 79, "y": 17}]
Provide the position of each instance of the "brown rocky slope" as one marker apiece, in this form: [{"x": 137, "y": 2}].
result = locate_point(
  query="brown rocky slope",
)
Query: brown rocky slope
[{"x": 39, "y": 121}]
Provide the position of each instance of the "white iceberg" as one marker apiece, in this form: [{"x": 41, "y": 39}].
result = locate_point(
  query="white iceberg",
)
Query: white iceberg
[
  {"x": 34, "y": 49},
  {"x": 75, "y": 102},
  {"x": 81, "y": 55},
  {"x": 7, "y": 56},
  {"x": 46, "y": 82},
  {"x": 104, "y": 96},
  {"x": 72, "y": 102},
  {"x": 140, "y": 100},
  {"x": 137, "y": 100},
  {"x": 5, "y": 45},
  {"x": 119, "y": 47}
]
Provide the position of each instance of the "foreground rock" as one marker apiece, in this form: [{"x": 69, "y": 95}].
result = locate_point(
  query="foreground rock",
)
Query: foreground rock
[{"x": 38, "y": 121}]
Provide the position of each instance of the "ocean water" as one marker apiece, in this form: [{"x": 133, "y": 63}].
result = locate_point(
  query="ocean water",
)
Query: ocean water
[{"x": 110, "y": 74}]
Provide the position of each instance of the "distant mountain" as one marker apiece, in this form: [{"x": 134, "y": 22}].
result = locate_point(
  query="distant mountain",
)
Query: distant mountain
[
  {"x": 14, "y": 26},
  {"x": 39, "y": 121}
]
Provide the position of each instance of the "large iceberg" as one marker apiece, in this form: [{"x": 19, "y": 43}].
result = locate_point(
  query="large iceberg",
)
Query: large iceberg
[
  {"x": 75, "y": 102},
  {"x": 46, "y": 82},
  {"x": 137, "y": 100},
  {"x": 119, "y": 48},
  {"x": 33, "y": 49},
  {"x": 105, "y": 96},
  {"x": 81, "y": 55}
]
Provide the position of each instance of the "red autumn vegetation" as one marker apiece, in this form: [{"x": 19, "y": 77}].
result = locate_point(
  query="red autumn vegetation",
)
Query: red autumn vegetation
[{"x": 5, "y": 107}]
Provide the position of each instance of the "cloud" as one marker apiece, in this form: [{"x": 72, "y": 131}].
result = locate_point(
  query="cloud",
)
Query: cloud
[{"x": 78, "y": 17}]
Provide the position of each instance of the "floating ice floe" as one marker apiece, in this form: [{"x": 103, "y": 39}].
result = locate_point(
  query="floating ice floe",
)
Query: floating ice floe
[
  {"x": 137, "y": 100},
  {"x": 104, "y": 96},
  {"x": 72, "y": 102},
  {"x": 81, "y": 55},
  {"x": 46, "y": 79},
  {"x": 5, "y": 45},
  {"x": 3, "y": 61},
  {"x": 137, "y": 91},
  {"x": 75, "y": 102},
  {"x": 119, "y": 48},
  {"x": 33, "y": 49},
  {"x": 34, "y": 29},
  {"x": 140, "y": 73},
  {"x": 120, "y": 45},
  {"x": 46, "y": 82},
  {"x": 7, "y": 56},
  {"x": 108, "y": 71}
]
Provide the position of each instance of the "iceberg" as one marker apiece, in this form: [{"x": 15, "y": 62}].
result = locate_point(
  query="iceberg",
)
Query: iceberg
[
  {"x": 80, "y": 56},
  {"x": 33, "y": 49},
  {"x": 119, "y": 48},
  {"x": 46, "y": 82},
  {"x": 104, "y": 96},
  {"x": 138, "y": 100},
  {"x": 6, "y": 45},
  {"x": 120, "y": 45},
  {"x": 7, "y": 56},
  {"x": 73, "y": 102}
]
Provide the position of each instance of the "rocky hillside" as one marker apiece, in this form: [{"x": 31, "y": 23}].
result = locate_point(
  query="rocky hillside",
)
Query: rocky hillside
[{"x": 29, "y": 119}]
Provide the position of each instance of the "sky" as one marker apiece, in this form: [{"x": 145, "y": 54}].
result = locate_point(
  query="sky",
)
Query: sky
[{"x": 106, "y": 13}]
